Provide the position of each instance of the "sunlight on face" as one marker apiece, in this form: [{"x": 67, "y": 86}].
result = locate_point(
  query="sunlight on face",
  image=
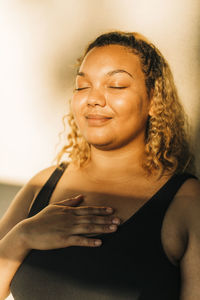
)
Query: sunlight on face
[{"x": 110, "y": 102}]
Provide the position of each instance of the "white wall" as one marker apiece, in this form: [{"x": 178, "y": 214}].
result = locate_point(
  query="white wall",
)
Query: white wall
[{"x": 39, "y": 43}]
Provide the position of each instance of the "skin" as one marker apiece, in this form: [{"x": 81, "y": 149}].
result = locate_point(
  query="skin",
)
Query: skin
[
  {"x": 117, "y": 147},
  {"x": 97, "y": 92}
]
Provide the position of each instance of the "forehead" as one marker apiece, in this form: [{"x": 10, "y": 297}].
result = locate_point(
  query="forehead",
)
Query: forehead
[{"x": 110, "y": 57}]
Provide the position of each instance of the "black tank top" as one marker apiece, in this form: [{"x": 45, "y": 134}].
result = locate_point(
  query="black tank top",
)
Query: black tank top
[{"x": 130, "y": 263}]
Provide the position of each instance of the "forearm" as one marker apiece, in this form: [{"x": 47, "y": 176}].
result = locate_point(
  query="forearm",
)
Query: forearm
[{"x": 13, "y": 250}]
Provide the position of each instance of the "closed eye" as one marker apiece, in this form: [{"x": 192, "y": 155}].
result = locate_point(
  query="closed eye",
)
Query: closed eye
[
  {"x": 112, "y": 87},
  {"x": 79, "y": 89},
  {"x": 117, "y": 87}
]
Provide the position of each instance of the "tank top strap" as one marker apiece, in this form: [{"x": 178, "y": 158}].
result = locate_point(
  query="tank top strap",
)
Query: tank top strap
[
  {"x": 169, "y": 190},
  {"x": 175, "y": 183},
  {"x": 43, "y": 197}
]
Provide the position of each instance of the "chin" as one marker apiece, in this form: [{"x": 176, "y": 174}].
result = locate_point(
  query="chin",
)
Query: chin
[
  {"x": 99, "y": 142},
  {"x": 98, "y": 138},
  {"x": 102, "y": 146}
]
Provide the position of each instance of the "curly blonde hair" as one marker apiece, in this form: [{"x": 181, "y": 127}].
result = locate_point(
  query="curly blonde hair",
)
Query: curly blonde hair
[{"x": 166, "y": 142}]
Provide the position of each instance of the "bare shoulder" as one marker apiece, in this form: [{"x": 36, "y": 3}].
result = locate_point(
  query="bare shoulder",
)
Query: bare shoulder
[
  {"x": 187, "y": 201},
  {"x": 191, "y": 187},
  {"x": 20, "y": 205},
  {"x": 188, "y": 192},
  {"x": 40, "y": 178},
  {"x": 189, "y": 196},
  {"x": 181, "y": 237},
  {"x": 179, "y": 219},
  {"x": 33, "y": 186}
]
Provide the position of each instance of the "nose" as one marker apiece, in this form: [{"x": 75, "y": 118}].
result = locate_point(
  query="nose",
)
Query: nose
[{"x": 96, "y": 97}]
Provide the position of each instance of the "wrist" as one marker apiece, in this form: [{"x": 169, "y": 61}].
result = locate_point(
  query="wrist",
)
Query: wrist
[
  {"x": 22, "y": 234},
  {"x": 14, "y": 245}
]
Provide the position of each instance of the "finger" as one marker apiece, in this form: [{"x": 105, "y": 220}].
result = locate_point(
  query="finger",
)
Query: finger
[
  {"x": 96, "y": 220},
  {"x": 93, "y": 210},
  {"x": 71, "y": 202},
  {"x": 93, "y": 228},
  {"x": 76, "y": 240}
]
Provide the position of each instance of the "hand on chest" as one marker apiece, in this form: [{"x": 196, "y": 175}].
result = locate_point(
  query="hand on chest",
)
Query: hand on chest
[{"x": 125, "y": 200}]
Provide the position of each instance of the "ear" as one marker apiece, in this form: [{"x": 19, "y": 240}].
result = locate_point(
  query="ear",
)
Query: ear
[{"x": 151, "y": 110}]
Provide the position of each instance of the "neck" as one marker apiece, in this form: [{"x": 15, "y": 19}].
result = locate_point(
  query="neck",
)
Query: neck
[{"x": 118, "y": 164}]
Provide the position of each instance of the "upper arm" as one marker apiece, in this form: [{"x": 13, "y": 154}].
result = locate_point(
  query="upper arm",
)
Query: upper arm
[
  {"x": 19, "y": 207},
  {"x": 190, "y": 262}
]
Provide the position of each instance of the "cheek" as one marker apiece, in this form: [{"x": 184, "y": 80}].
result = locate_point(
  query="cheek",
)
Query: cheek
[
  {"x": 75, "y": 110},
  {"x": 123, "y": 105},
  {"x": 76, "y": 106}
]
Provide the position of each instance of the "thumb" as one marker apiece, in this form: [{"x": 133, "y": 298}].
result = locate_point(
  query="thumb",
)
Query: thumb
[{"x": 74, "y": 201}]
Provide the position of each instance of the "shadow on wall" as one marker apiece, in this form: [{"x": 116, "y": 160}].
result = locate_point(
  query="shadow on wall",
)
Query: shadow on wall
[
  {"x": 7, "y": 193},
  {"x": 197, "y": 131},
  {"x": 197, "y": 149}
]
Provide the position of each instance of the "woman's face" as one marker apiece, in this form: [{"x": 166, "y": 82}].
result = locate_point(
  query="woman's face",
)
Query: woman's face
[{"x": 110, "y": 102}]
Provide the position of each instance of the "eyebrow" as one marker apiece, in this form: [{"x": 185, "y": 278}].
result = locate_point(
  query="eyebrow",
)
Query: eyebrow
[{"x": 109, "y": 73}]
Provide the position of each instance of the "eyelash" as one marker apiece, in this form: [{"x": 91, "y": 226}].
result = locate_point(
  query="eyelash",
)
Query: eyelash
[
  {"x": 112, "y": 87},
  {"x": 117, "y": 87}
]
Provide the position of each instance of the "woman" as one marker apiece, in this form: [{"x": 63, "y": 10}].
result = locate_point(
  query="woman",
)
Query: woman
[{"x": 129, "y": 152}]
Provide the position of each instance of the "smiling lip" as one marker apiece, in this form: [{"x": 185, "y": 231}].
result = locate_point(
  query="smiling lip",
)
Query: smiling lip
[
  {"x": 97, "y": 120},
  {"x": 97, "y": 117}
]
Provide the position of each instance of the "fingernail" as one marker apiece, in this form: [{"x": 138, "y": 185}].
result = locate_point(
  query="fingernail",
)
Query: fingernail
[
  {"x": 116, "y": 221},
  {"x": 98, "y": 242},
  {"x": 109, "y": 209},
  {"x": 113, "y": 227}
]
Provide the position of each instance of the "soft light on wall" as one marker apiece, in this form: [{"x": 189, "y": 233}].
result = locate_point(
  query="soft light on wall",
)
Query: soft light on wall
[{"x": 40, "y": 41}]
